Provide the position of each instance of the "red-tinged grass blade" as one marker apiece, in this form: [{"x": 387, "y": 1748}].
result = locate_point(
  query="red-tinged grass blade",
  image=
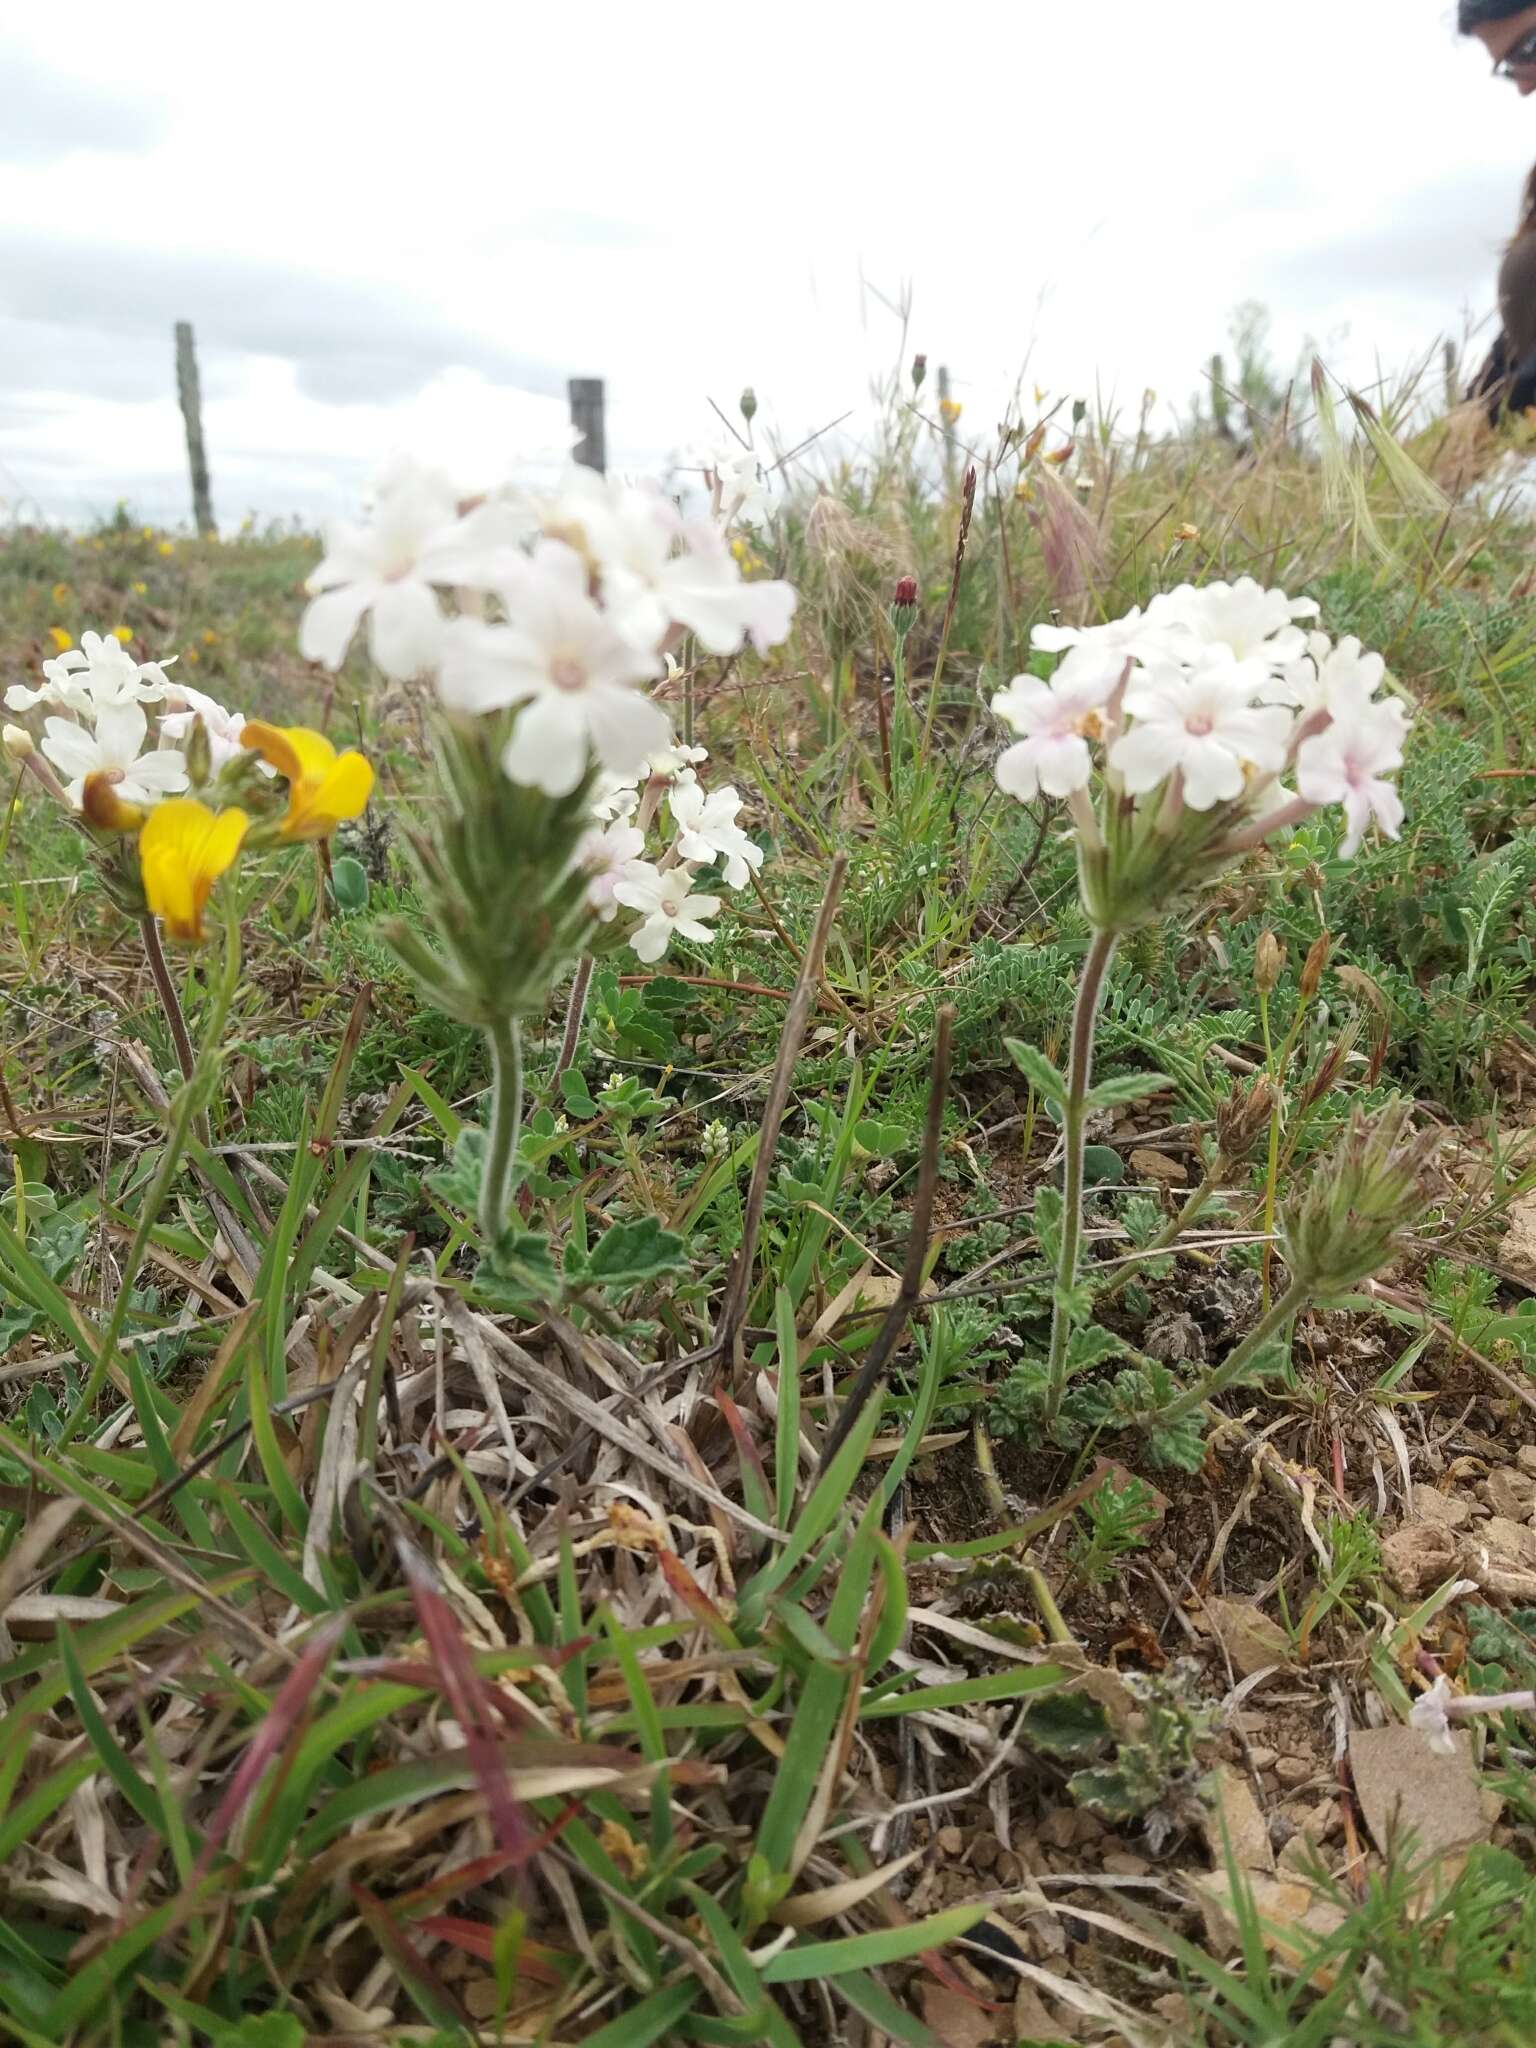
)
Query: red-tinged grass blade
[
  {"x": 431, "y": 1994},
  {"x": 465, "y": 1691},
  {"x": 695, "y": 1599},
  {"x": 478, "y": 1938},
  {"x": 756, "y": 1491},
  {"x": 292, "y": 1702}
]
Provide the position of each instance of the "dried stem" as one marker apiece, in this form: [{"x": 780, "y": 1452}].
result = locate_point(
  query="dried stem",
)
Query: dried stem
[
  {"x": 170, "y": 1003},
  {"x": 733, "y": 1309},
  {"x": 889, "y": 1334},
  {"x": 575, "y": 1014},
  {"x": 1074, "y": 1124}
]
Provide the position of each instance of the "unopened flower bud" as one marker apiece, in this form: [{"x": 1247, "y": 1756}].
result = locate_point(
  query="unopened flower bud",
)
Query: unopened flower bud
[
  {"x": 1312, "y": 967},
  {"x": 1079, "y": 412},
  {"x": 748, "y": 403},
  {"x": 19, "y": 744},
  {"x": 1243, "y": 1118},
  {"x": 904, "y": 607},
  {"x": 105, "y": 809},
  {"x": 1268, "y": 963},
  {"x": 199, "y": 755},
  {"x": 919, "y": 371},
  {"x": 1363, "y": 1197}
]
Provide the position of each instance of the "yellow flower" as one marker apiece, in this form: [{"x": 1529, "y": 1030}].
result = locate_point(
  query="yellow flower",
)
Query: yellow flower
[
  {"x": 193, "y": 656},
  {"x": 106, "y": 810},
  {"x": 61, "y": 593},
  {"x": 122, "y": 634},
  {"x": 167, "y": 547},
  {"x": 148, "y": 532},
  {"x": 210, "y": 638},
  {"x": 138, "y": 589},
  {"x": 62, "y": 640},
  {"x": 951, "y": 409},
  {"x": 323, "y": 786},
  {"x": 183, "y": 849}
]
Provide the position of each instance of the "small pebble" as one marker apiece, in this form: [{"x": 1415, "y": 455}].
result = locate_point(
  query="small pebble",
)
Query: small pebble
[
  {"x": 1121, "y": 1863},
  {"x": 1263, "y": 1759},
  {"x": 949, "y": 1841},
  {"x": 1294, "y": 1770}
]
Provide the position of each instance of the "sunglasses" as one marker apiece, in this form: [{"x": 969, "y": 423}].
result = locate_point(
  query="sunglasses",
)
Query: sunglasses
[{"x": 1521, "y": 58}]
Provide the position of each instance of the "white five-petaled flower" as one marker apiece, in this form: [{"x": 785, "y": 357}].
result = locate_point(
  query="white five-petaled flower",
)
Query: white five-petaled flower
[
  {"x": 563, "y": 661},
  {"x": 606, "y": 855},
  {"x": 1203, "y": 724},
  {"x": 738, "y": 479},
  {"x": 614, "y": 798},
  {"x": 113, "y": 749},
  {"x": 100, "y": 671},
  {"x": 223, "y": 727},
  {"x": 1347, "y": 764},
  {"x": 1132, "y": 638},
  {"x": 388, "y": 568},
  {"x": 1327, "y": 678},
  {"x": 666, "y": 900},
  {"x": 1054, "y": 722},
  {"x": 707, "y": 830},
  {"x": 1252, "y": 621}
]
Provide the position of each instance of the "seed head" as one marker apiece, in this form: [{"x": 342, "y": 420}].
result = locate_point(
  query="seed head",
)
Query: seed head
[
  {"x": 1243, "y": 1118},
  {"x": 1364, "y": 1196},
  {"x": 1268, "y": 963}
]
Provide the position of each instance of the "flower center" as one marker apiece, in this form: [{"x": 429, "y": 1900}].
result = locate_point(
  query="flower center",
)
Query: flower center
[
  {"x": 1198, "y": 724},
  {"x": 1091, "y": 725},
  {"x": 670, "y": 906},
  {"x": 566, "y": 672}
]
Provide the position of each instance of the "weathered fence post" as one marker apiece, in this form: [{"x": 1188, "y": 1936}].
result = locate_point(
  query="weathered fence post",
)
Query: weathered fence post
[
  {"x": 192, "y": 412},
  {"x": 591, "y": 449}
]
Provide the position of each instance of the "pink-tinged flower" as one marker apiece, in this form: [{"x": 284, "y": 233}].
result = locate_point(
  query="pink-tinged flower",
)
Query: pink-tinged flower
[
  {"x": 561, "y": 659},
  {"x": 607, "y": 855},
  {"x": 1430, "y": 1714},
  {"x": 388, "y": 568},
  {"x": 1347, "y": 764},
  {"x": 707, "y": 830},
  {"x": 113, "y": 750},
  {"x": 1202, "y": 724},
  {"x": 1055, "y": 722},
  {"x": 666, "y": 900},
  {"x": 1252, "y": 621},
  {"x": 223, "y": 727}
]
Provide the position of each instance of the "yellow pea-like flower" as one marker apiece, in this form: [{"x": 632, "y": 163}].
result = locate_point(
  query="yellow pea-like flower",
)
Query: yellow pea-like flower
[
  {"x": 324, "y": 787},
  {"x": 183, "y": 849},
  {"x": 105, "y": 809},
  {"x": 61, "y": 638}
]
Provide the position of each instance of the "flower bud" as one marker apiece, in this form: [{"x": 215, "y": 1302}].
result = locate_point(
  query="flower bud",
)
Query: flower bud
[
  {"x": 1363, "y": 1197},
  {"x": 199, "y": 755},
  {"x": 105, "y": 809},
  {"x": 1243, "y": 1118},
  {"x": 904, "y": 607},
  {"x": 19, "y": 744},
  {"x": 1312, "y": 967},
  {"x": 1268, "y": 963},
  {"x": 748, "y": 403},
  {"x": 1079, "y": 412},
  {"x": 919, "y": 371}
]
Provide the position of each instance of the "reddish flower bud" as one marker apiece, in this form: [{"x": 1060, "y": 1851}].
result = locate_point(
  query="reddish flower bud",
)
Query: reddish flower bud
[
  {"x": 906, "y": 590},
  {"x": 919, "y": 371}
]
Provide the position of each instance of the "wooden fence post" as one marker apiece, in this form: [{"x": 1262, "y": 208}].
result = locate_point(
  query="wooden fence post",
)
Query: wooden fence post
[
  {"x": 591, "y": 449},
  {"x": 192, "y": 412}
]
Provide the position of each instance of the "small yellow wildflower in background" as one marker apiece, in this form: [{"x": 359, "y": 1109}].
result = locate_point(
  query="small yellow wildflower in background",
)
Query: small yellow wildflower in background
[
  {"x": 167, "y": 547},
  {"x": 210, "y": 638},
  {"x": 1186, "y": 532},
  {"x": 324, "y": 787},
  {"x": 61, "y": 593},
  {"x": 62, "y": 640},
  {"x": 138, "y": 589},
  {"x": 193, "y": 656},
  {"x": 950, "y": 410},
  {"x": 147, "y": 533},
  {"x": 183, "y": 849},
  {"x": 122, "y": 634}
]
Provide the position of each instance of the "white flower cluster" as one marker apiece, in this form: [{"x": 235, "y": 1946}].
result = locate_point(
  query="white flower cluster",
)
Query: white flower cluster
[
  {"x": 702, "y": 829},
  {"x": 1209, "y": 696},
  {"x": 562, "y": 607},
  {"x": 101, "y": 725}
]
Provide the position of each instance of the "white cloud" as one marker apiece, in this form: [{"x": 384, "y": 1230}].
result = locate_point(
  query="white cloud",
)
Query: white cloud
[{"x": 375, "y": 227}]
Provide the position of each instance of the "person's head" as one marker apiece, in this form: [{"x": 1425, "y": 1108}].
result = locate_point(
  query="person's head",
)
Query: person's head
[{"x": 1508, "y": 34}]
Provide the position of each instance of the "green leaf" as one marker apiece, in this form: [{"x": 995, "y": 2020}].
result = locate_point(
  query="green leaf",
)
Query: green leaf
[
  {"x": 647, "y": 2021},
  {"x": 871, "y": 2001},
  {"x": 1048, "y": 1081},
  {"x": 812, "y": 1959},
  {"x": 1103, "y": 1167},
  {"x": 1048, "y": 1209},
  {"x": 1181, "y": 1445},
  {"x": 881, "y": 1139},
  {"x": 349, "y": 883},
  {"x": 1089, "y": 1345},
  {"x": 577, "y": 1096},
  {"x": 521, "y": 1268},
  {"x": 1068, "y": 1725},
  {"x": 1121, "y": 1089},
  {"x": 627, "y": 1255},
  {"x": 458, "y": 1183},
  {"x": 262, "y": 2030},
  {"x": 965, "y": 1692}
]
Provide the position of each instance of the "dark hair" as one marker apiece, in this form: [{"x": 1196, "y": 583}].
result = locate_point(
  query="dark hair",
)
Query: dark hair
[{"x": 1473, "y": 14}]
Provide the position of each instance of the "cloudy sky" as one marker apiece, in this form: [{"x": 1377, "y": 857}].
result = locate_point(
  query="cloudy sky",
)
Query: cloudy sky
[{"x": 404, "y": 228}]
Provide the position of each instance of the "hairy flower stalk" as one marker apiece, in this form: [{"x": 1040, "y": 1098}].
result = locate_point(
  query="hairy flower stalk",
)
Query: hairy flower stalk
[{"x": 1166, "y": 734}]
